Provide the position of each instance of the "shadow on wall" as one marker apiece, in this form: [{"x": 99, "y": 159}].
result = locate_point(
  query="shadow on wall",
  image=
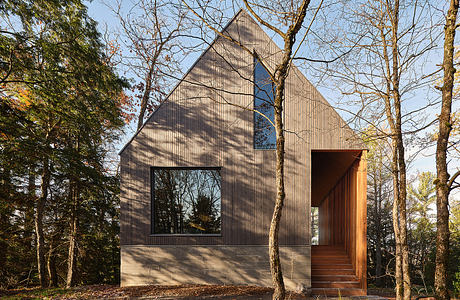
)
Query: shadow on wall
[
  {"x": 207, "y": 121},
  {"x": 211, "y": 265},
  {"x": 196, "y": 127}
]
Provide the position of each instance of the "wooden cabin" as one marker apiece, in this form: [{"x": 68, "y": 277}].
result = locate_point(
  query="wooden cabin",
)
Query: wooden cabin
[{"x": 198, "y": 179}]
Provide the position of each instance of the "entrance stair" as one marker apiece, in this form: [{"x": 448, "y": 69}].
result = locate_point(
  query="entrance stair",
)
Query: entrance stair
[{"x": 332, "y": 273}]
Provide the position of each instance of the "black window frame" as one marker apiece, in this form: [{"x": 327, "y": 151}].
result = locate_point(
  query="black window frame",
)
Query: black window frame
[{"x": 152, "y": 199}]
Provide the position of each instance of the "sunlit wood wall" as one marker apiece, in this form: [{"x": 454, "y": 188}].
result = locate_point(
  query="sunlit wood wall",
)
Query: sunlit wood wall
[{"x": 342, "y": 216}]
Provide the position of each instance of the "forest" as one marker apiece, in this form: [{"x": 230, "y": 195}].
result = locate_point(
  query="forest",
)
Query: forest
[{"x": 79, "y": 78}]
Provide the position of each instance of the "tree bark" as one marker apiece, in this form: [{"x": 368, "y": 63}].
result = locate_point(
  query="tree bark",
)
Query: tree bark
[
  {"x": 72, "y": 258},
  {"x": 398, "y": 256},
  {"x": 399, "y": 162},
  {"x": 149, "y": 78},
  {"x": 445, "y": 127},
  {"x": 40, "y": 239},
  {"x": 402, "y": 208},
  {"x": 29, "y": 233},
  {"x": 51, "y": 263},
  {"x": 145, "y": 96},
  {"x": 280, "y": 75},
  {"x": 4, "y": 223},
  {"x": 273, "y": 244},
  {"x": 378, "y": 245}
]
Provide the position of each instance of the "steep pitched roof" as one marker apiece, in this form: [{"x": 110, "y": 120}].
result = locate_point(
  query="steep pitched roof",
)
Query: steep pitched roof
[{"x": 237, "y": 16}]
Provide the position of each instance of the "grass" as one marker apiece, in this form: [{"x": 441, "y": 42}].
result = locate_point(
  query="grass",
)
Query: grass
[
  {"x": 34, "y": 293},
  {"x": 116, "y": 292}
]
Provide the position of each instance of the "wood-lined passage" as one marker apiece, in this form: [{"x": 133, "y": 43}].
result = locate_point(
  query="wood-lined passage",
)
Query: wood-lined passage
[
  {"x": 333, "y": 273},
  {"x": 342, "y": 216}
]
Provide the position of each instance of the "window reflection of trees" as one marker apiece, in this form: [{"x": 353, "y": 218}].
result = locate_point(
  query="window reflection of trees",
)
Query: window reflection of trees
[
  {"x": 186, "y": 201},
  {"x": 264, "y": 91}
]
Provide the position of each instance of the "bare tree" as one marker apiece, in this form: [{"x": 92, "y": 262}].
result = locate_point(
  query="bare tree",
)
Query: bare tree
[
  {"x": 443, "y": 181},
  {"x": 390, "y": 43},
  {"x": 379, "y": 195},
  {"x": 150, "y": 32}
]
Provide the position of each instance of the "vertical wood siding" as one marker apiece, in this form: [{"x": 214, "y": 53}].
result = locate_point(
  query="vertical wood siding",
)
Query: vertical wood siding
[
  {"x": 197, "y": 127},
  {"x": 342, "y": 217}
]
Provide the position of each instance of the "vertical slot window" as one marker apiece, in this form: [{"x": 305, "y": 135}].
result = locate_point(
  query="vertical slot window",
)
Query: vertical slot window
[{"x": 264, "y": 96}]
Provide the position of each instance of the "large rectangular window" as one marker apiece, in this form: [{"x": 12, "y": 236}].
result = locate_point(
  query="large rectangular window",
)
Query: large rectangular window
[
  {"x": 264, "y": 112},
  {"x": 186, "y": 200}
]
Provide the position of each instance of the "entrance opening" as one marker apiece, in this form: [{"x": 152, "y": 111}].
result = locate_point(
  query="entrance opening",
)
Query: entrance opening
[
  {"x": 314, "y": 226},
  {"x": 338, "y": 205}
]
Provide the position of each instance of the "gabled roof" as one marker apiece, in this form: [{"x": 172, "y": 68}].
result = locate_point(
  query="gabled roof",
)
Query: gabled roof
[
  {"x": 178, "y": 83},
  {"x": 235, "y": 17}
]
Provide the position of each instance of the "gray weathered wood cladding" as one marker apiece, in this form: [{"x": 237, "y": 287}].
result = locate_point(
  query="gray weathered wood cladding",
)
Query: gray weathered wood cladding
[{"x": 197, "y": 127}]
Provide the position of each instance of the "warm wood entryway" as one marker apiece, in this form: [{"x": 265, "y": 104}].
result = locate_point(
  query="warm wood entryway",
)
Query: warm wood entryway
[
  {"x": 338, "y": 262},
  {"x": 332, "y": 270}
]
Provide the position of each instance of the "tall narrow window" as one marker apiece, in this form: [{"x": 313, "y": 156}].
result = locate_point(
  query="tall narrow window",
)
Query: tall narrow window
[
  {"x": 186, "y": 201},
  {"x": 264, "y": 91}
]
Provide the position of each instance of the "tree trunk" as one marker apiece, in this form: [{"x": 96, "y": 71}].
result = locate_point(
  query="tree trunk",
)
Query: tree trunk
[
  {"x": 71, "y": 258},
  {"x": 398, "y": 256},
  {"x": 445, "y": 126},
  {"x": 399, "y": 163},
  {"x": 40, "y": 240},
  {"x": 51, "y": 263},
  {"x": 279, "y": 79},
  {"x": 404, "y": 248},
  {"x": 4, "y": 224},
  {"x": 280, "y": 75},
  {"x": 145, "y": 96},
  {"x": 273, "y": 244},
  {"x": 378, "y": 244},
  {"x": 402, "y": 215},
  {"x": 29, "y": 210}
]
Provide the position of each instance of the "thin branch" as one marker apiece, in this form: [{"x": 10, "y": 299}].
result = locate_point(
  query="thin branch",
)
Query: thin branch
[
  {"x": 227, "y": 37},
  {"x": 452, "y": 180},
  {"x": 261, "y": 21}
]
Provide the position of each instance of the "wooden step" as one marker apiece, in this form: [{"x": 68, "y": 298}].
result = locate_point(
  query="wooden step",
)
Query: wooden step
[
  {"x": 331, "y": 255},
  {"x": 335, "y": 284},
  {"x": 331, "y": 266},
  {"x": 316, "y": 249},
  {"x": 336, "y": 292},
  {"x": 333, "y": 278},
  {"x": 328, "y": 253},
  {"x": 321, "y": 254},
  {"x": 332, "y": 271},
  {"x": 329, "y": 258},
  {"x": 330, "y": 261}
]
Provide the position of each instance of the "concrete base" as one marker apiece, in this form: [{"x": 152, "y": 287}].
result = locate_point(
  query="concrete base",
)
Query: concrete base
[{"x": 245, "y": 265}]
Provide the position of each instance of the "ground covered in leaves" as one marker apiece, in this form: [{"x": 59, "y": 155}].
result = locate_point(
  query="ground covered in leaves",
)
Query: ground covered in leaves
[
  {"x": 152, "y": 292},
  {"x": 192, "y": 292}
]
